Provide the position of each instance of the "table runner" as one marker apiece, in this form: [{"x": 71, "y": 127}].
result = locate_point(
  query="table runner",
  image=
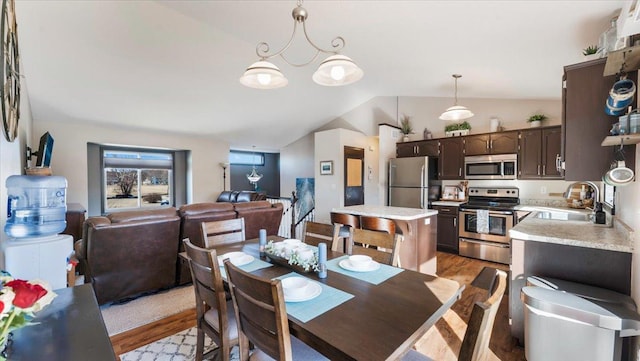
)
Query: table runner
[
  {"x": 375, "y": 277},
  {"x": 308, "y": 310},
  {"x": 254, "y": 265}
]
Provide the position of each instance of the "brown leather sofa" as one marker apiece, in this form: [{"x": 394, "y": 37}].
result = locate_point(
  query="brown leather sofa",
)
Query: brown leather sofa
[
  {"x": 130, "y": 253},
  {"x": 259, "y": 214},
  {"x": 241, "y": 196}
]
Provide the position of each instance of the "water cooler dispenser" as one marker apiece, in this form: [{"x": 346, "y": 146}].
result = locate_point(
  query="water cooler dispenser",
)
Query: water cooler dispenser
[{"x": 36, "y": 213}]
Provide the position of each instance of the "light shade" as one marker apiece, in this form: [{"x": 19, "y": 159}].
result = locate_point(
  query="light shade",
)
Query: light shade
[
  {"x": 263, "y": 75},
  {"x": 254, "y": 177},
  {"x": 456, "y": 112},
  {"x": 337, "y": 70}
]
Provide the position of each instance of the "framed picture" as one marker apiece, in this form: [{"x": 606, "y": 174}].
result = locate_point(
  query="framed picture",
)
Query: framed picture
[{"x": 326, "y": 167}]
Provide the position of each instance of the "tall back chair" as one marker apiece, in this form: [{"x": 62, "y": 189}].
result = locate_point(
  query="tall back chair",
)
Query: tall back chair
[
  {"x": 381, "y": 246},
  {"x": 475, "y": 345},
  {"x": 262, "y": 319},
  {"x": 316, "y": 233},
  {"x": 347, "y": 223},
  {"x": 214, "y": 314},
  {"x": 223, "y": 232},
  {"x": 378, "y": 224}
]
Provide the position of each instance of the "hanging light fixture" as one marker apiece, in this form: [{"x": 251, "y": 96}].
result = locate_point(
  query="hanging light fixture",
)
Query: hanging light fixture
[
  {"x": 336, "y": 70},
  {"x": 456, "y": 112},
  {"x": 254, "y": 177}
]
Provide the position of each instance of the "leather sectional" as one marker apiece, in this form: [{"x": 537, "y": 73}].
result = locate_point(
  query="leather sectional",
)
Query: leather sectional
[{"x": 127, "y": 254}]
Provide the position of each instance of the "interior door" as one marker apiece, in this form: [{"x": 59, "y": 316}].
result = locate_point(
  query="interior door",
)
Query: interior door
[{"x": 353, "y": 176}]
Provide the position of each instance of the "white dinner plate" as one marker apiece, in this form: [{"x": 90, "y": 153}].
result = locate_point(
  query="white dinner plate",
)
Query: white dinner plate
[
  {"x": 346, "y": 264},
  {"x": 237, "y": 261},
  {"x": 313, "y": 290}
]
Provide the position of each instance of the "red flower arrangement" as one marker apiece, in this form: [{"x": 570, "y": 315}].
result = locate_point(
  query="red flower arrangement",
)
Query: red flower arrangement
[{"x": 19, "y": 301}]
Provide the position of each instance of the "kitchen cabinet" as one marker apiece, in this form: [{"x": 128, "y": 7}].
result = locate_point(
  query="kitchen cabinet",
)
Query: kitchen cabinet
[
  {"x": 451, "y": 162},
  {"x": 423, "y": 148},
  {"x": 539, "y": 153},
  {"x": 585, "y": 123},
  {"x": 447, "y": 228},
  {"x": 495, "y": 143}
]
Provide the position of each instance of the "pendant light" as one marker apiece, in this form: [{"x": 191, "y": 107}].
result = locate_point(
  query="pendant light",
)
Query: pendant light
[
  {"x": 336, "y": 70},
  {"x": 456, "y": 112},
  {"x": 254, "y": 177}
]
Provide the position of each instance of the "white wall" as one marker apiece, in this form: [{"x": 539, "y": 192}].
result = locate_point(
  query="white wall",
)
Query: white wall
[
  {"x": 296, "y": 161},
  {"x": 70, "y": 155}
]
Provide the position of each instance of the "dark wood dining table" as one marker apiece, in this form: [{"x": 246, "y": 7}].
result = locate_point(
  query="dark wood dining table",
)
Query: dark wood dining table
[{"x": 381, "y": 322}]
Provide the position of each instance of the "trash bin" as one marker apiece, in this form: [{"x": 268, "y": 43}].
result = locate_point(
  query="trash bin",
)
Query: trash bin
[{"x": 570, "y": 321}]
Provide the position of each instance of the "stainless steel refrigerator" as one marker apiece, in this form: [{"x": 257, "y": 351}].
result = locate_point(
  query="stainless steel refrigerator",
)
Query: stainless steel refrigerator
[{"x": 413, "y": 182}]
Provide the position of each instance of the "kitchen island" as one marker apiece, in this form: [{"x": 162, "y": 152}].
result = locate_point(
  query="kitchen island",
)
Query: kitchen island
[
  {"x": 572, "y": 250},
  {"x": 417, "y": 250}
]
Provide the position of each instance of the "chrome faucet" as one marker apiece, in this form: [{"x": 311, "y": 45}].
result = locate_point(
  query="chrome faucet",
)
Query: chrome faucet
[{"x": 593, "y": 186}]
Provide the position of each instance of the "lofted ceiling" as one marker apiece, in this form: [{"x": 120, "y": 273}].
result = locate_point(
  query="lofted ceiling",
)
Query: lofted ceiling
[{"x": 174, "y": 65}]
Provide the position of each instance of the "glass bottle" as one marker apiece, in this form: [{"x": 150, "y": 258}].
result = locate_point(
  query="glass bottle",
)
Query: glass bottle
[{"x": 607, "y": 41}]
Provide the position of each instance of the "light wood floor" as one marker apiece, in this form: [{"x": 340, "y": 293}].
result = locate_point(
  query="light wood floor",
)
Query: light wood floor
[{"x": 441, "y": 342}]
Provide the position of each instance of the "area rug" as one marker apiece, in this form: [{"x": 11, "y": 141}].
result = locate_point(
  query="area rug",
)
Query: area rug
[
  {"x": 178, "y": 347},
  {"x": 144, "y": 310}
]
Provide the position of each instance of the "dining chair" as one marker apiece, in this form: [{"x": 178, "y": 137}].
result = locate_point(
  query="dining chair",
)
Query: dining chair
[
  {"x": 378, "y": 224},
  {"x": 262, "y": 319},
  {"x": 475, "y": 344},
  {"x": 315, "y": 233},
  {"x": 380, "y": 246},
  {"x": 217, "y": 233},
  {"x": 347, "y": 223},
  {"x": 214, "y": 314}
]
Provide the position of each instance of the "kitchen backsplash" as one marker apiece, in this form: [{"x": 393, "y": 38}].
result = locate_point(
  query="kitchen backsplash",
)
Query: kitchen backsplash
[{"x": 532, "y": 192}]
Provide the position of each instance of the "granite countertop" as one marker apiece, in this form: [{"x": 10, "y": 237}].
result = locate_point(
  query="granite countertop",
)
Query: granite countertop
[
  {"x": 399, "y": 213},
  {"x": 448, "y": 203},
  {"x": 572, "y": 233}
]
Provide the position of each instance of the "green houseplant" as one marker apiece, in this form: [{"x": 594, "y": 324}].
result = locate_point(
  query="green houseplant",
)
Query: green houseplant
[
  {"x": 590, "y": 50},
  {"x": 536, "y": 120},
  {"x": 457, "y": 129},
  {"x": 405, "y": 127}
]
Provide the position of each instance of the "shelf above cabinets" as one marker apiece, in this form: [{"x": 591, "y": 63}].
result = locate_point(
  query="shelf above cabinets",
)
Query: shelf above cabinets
[{"x": 621, "y": 139}]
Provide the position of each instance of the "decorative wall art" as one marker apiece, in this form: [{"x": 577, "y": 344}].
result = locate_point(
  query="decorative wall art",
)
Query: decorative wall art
[
  {"x": 326, "y": 167},
  {"x": 305, "y": 191}
]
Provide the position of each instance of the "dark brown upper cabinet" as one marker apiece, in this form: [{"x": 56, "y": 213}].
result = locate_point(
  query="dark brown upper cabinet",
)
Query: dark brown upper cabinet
[
  {"x": 495, "y": 143},
  {"x": 585, "y": 123},
  {"x": 539, "y": 154},
  {"x": 451, "y": 162},
  {"x": 423, "y": 148}
]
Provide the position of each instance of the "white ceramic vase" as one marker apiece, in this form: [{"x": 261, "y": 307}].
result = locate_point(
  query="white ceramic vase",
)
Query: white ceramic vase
[{"x": 535, "y": 124}]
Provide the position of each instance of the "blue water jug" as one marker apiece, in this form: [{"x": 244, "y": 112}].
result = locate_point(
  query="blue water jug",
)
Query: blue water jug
[{"x": 36, "y": 206}]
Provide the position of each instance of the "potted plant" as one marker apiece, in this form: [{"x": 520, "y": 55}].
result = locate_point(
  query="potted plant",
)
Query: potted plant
[
  {"x": 406, "y": 128},
  {"x": 590, "y": 52},
  {"x": 536, "y": 120},
  {"x": 457, "y": 129}
]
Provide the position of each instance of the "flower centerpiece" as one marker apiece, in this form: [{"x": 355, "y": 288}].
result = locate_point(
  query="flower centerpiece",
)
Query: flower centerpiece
[
  {"x": 300, "y": 255},
  {"x": 19, "y": 301}
]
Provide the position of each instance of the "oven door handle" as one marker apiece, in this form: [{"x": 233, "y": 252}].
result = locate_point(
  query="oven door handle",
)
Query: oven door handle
[
  {"x": 472, "y": 211},
  {"x": 492, "y": 244}
]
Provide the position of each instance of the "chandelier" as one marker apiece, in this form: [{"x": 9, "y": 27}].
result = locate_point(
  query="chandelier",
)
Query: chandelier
[
  {"x": 336, "y": 70},
  {"x": 456, "y": 112},
  {"x": 254, "y": 177}
]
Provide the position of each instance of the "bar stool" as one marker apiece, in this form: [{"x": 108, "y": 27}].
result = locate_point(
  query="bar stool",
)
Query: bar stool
[
  {"x": 378, "y": 224},
  {"x": 348, "y": 223}
]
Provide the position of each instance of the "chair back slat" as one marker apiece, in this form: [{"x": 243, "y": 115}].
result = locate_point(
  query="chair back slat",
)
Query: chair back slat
[
  {"x": 261, "y": 313},
  {"x": 223, "y": 232},
  {"x": 345, "y": 219},
  {"x": 316, "y": 233},
  {"x": 383, "y": 246},
  {"x": 378, "y": 224},
  {"x": 475, "y": 345}
]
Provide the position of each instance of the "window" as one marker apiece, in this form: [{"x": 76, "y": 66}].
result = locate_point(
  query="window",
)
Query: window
[
  {"x": 246, "y": 158},
  {"x": 136, "y": 178}
]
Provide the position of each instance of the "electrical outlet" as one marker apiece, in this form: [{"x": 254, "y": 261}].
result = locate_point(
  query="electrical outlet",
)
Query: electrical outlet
[{"x": 543, "y": 190}]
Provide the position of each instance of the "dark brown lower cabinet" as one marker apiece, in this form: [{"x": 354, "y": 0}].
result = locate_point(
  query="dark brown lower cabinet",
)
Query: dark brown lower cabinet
[{"x": 447, "y": 228}]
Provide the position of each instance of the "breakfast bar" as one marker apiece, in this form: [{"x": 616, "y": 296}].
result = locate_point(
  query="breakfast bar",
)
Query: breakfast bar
[{"x": 417, "y": 250}]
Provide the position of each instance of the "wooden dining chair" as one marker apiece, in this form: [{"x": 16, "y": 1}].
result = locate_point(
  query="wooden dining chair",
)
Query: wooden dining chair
[
  {"x": 380, "y": 246},
  {"x": 217, "y": 233},
  {"x": 315, "y": 233},
  {"x": 260, "y": 310},
  {"x": 475, "y": 344},
  {"x": 378, "y": 224},
  {"x": 215, "y": 315},
  {"x": 347, "y": 223}
]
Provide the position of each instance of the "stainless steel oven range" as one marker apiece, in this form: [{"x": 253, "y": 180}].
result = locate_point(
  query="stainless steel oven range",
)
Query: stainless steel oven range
[{"x": 485, "y": 221}]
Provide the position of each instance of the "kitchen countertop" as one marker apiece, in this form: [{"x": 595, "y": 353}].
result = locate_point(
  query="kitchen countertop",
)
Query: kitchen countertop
[
  {"x": 448, "y": 203},
  {"x": 572, "y": 233},
  {"x": 398, "y": 213}
]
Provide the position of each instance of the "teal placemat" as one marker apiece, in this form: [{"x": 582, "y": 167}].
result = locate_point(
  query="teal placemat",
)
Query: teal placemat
[
  {"x": 308, "y": 310},
  {"x": 254, "y": 265},
  {"x": 375, "y": 277}
]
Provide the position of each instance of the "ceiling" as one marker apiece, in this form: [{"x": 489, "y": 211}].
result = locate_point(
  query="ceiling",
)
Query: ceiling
[{"x": 174, "y": 65}]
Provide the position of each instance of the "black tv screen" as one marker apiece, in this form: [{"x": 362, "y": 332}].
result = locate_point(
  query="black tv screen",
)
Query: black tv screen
[{"x": 44, "y": 150}]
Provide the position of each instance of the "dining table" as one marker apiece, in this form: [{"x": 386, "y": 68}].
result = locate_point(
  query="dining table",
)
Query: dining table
[{"x": 376, "y": 315}]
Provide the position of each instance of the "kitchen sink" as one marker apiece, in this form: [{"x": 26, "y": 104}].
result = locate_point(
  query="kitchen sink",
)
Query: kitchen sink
[{"x": 564, "y": 216}]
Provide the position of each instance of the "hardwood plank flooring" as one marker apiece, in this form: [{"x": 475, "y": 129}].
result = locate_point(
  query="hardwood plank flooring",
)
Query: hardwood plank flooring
[{"x": 441, "y": 342}]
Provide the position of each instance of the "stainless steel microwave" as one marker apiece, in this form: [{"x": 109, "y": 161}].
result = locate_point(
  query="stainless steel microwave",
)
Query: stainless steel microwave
[{"x": 500, "y": 166}]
